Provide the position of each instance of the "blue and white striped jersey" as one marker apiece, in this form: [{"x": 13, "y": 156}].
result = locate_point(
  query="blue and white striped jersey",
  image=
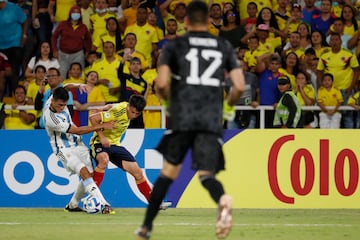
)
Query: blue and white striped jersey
[{"x": 57, "y": 126}]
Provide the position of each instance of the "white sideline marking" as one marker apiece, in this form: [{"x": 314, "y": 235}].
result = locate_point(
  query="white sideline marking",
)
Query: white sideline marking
[{"x": 188, "y": 224}]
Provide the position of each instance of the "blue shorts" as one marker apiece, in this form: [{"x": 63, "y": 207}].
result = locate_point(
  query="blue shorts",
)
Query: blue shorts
[{"x": 117, "y": 154}]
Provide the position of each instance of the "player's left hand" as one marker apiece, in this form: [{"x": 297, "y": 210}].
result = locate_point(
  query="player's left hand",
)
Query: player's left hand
[{"x": 228, "y": 111}]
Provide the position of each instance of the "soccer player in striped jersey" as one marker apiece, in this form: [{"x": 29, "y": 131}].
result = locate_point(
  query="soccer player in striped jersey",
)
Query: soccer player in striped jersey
[{"x": 67, "y": 145}]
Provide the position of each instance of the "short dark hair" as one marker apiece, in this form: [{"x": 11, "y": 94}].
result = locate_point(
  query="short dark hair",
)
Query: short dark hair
[
  {"x": 40, "y": 66},
  {"x": 197, "y": 12},
  {"x": 328, "y": 75},
  {"x": 137, "y": 101},
  {"x": 61, "y": 93},
  {"x": 22, "y": 87},
  {"x": 310, "y": 51},
  {"x": 54, "y": 69}
]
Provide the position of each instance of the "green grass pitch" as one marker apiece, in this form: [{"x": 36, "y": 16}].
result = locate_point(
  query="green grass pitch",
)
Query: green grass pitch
[{"x": 180, "y": 224}]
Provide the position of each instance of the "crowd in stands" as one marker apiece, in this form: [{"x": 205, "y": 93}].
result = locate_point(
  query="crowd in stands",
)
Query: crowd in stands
[{"x": 111, "y": 47}]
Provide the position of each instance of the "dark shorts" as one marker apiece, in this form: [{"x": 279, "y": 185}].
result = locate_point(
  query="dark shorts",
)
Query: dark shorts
[
  {"x": 117, "y": 154},
  {"x": 206, "y": 149}
]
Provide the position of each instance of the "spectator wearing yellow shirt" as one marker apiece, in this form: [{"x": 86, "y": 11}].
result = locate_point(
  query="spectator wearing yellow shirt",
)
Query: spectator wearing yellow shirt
[
  {"x": 152, "y": 19},
  {"x": 294, "y": 45},
  {"x": 62, "y": 9},
  {"x": 329, "y": 96},
  {"x": 215, "y": 19},
  {"x": 98, "y": 19},
  {"x": 74, "y": 74},
  {"x": 242, "y": 6},
  {"x": 34, "y": 84},
  {"x": 343, "y": 65},
  {"x": 294, "y": 20},
  {"x": 20, "y": 119},
  {"x": 351, "y": 24},
  {"x": 113, "y": 34},
  {"x": 282, "y": 14},
  {"x": 90, "y": 59},
  {"x": 251, "y": 55},
  {"x": 86, "y": 12},
  {"x": 266, "y": 43},
  {"x": 319, "y": 44},
  {"x": 291, "y": 67},
  {"x": 129, "y": 12},
  {"x": 107, "y": 67},
  {"x": 146, "y": 34},
  {"x": 175, "y": 9},
  {"x": 130, "y": 41},
  {"x": 305, "y": 93},
  {"x": 267, "y": 16}
]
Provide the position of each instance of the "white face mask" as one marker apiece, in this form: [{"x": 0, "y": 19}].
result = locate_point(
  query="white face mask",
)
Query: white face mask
[
  {"x": 100, "y": 10},
  {"x": 112, "y": 9},
  {"x": 75, "y": 16}
]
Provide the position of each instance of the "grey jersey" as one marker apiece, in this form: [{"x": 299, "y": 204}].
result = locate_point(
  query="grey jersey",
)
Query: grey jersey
[{"x": 198, "y": 62}]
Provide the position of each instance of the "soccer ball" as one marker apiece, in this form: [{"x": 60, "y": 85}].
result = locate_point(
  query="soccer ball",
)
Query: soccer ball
[{"x": 92, "y": 205}]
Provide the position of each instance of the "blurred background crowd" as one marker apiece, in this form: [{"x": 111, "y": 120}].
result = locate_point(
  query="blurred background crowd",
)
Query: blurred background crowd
[{"x": 113, "y": 46}]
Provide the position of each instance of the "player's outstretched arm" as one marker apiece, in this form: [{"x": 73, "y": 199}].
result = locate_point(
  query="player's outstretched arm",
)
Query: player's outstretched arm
[{"x": 87, "y": 129}]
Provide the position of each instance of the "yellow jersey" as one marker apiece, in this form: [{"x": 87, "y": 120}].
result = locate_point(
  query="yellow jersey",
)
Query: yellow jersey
[
  {"x": 117, "y": 113},
  {"x": 98, "y": 24},
  {"x": 107, "y": 70},
  {"x": 146, "y": 36},
  {"x": 13, "y": 120},
  {"x": 340, "y": 65},
  {"x": 330, "y": 97},
  {"x": 309, "y": 91}
]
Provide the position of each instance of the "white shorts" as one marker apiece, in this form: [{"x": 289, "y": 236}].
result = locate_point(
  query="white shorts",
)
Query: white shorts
[{"x": 75, "y": 158}]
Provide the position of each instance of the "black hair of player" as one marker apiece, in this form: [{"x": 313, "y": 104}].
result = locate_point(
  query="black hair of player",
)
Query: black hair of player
[
  {"x": 61, "y": 93},
  {"x": 197, "y": 13},
  {"x": 137, "y": 101}
]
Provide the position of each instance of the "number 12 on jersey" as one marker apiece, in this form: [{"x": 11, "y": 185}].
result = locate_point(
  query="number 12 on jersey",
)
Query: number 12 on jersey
[{"x": 213, "y": 60}]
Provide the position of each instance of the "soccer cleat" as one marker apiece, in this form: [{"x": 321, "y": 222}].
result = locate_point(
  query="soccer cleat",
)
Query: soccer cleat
[
  {"x": 106, "y": 209},
  {"x": 165, "y": 205},
  {"x": 142, "y": 234},
  {"x": 224, "y": 220},
  {"x": 77, "y": 209}
]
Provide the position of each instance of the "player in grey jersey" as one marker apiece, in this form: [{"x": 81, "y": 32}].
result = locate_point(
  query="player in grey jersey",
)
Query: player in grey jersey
[{"x": 196, "y": 63}]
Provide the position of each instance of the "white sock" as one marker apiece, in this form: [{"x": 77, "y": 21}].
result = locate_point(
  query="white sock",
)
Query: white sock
[
  {"x": 78, "y": 194},
  {"x": 93, "y": 190}
]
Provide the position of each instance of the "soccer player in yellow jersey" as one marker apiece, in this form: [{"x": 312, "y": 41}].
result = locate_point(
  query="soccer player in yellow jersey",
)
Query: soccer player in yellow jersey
[
  {"x": 105, "y": 145},
  {"x": 146, "y": 34}
]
